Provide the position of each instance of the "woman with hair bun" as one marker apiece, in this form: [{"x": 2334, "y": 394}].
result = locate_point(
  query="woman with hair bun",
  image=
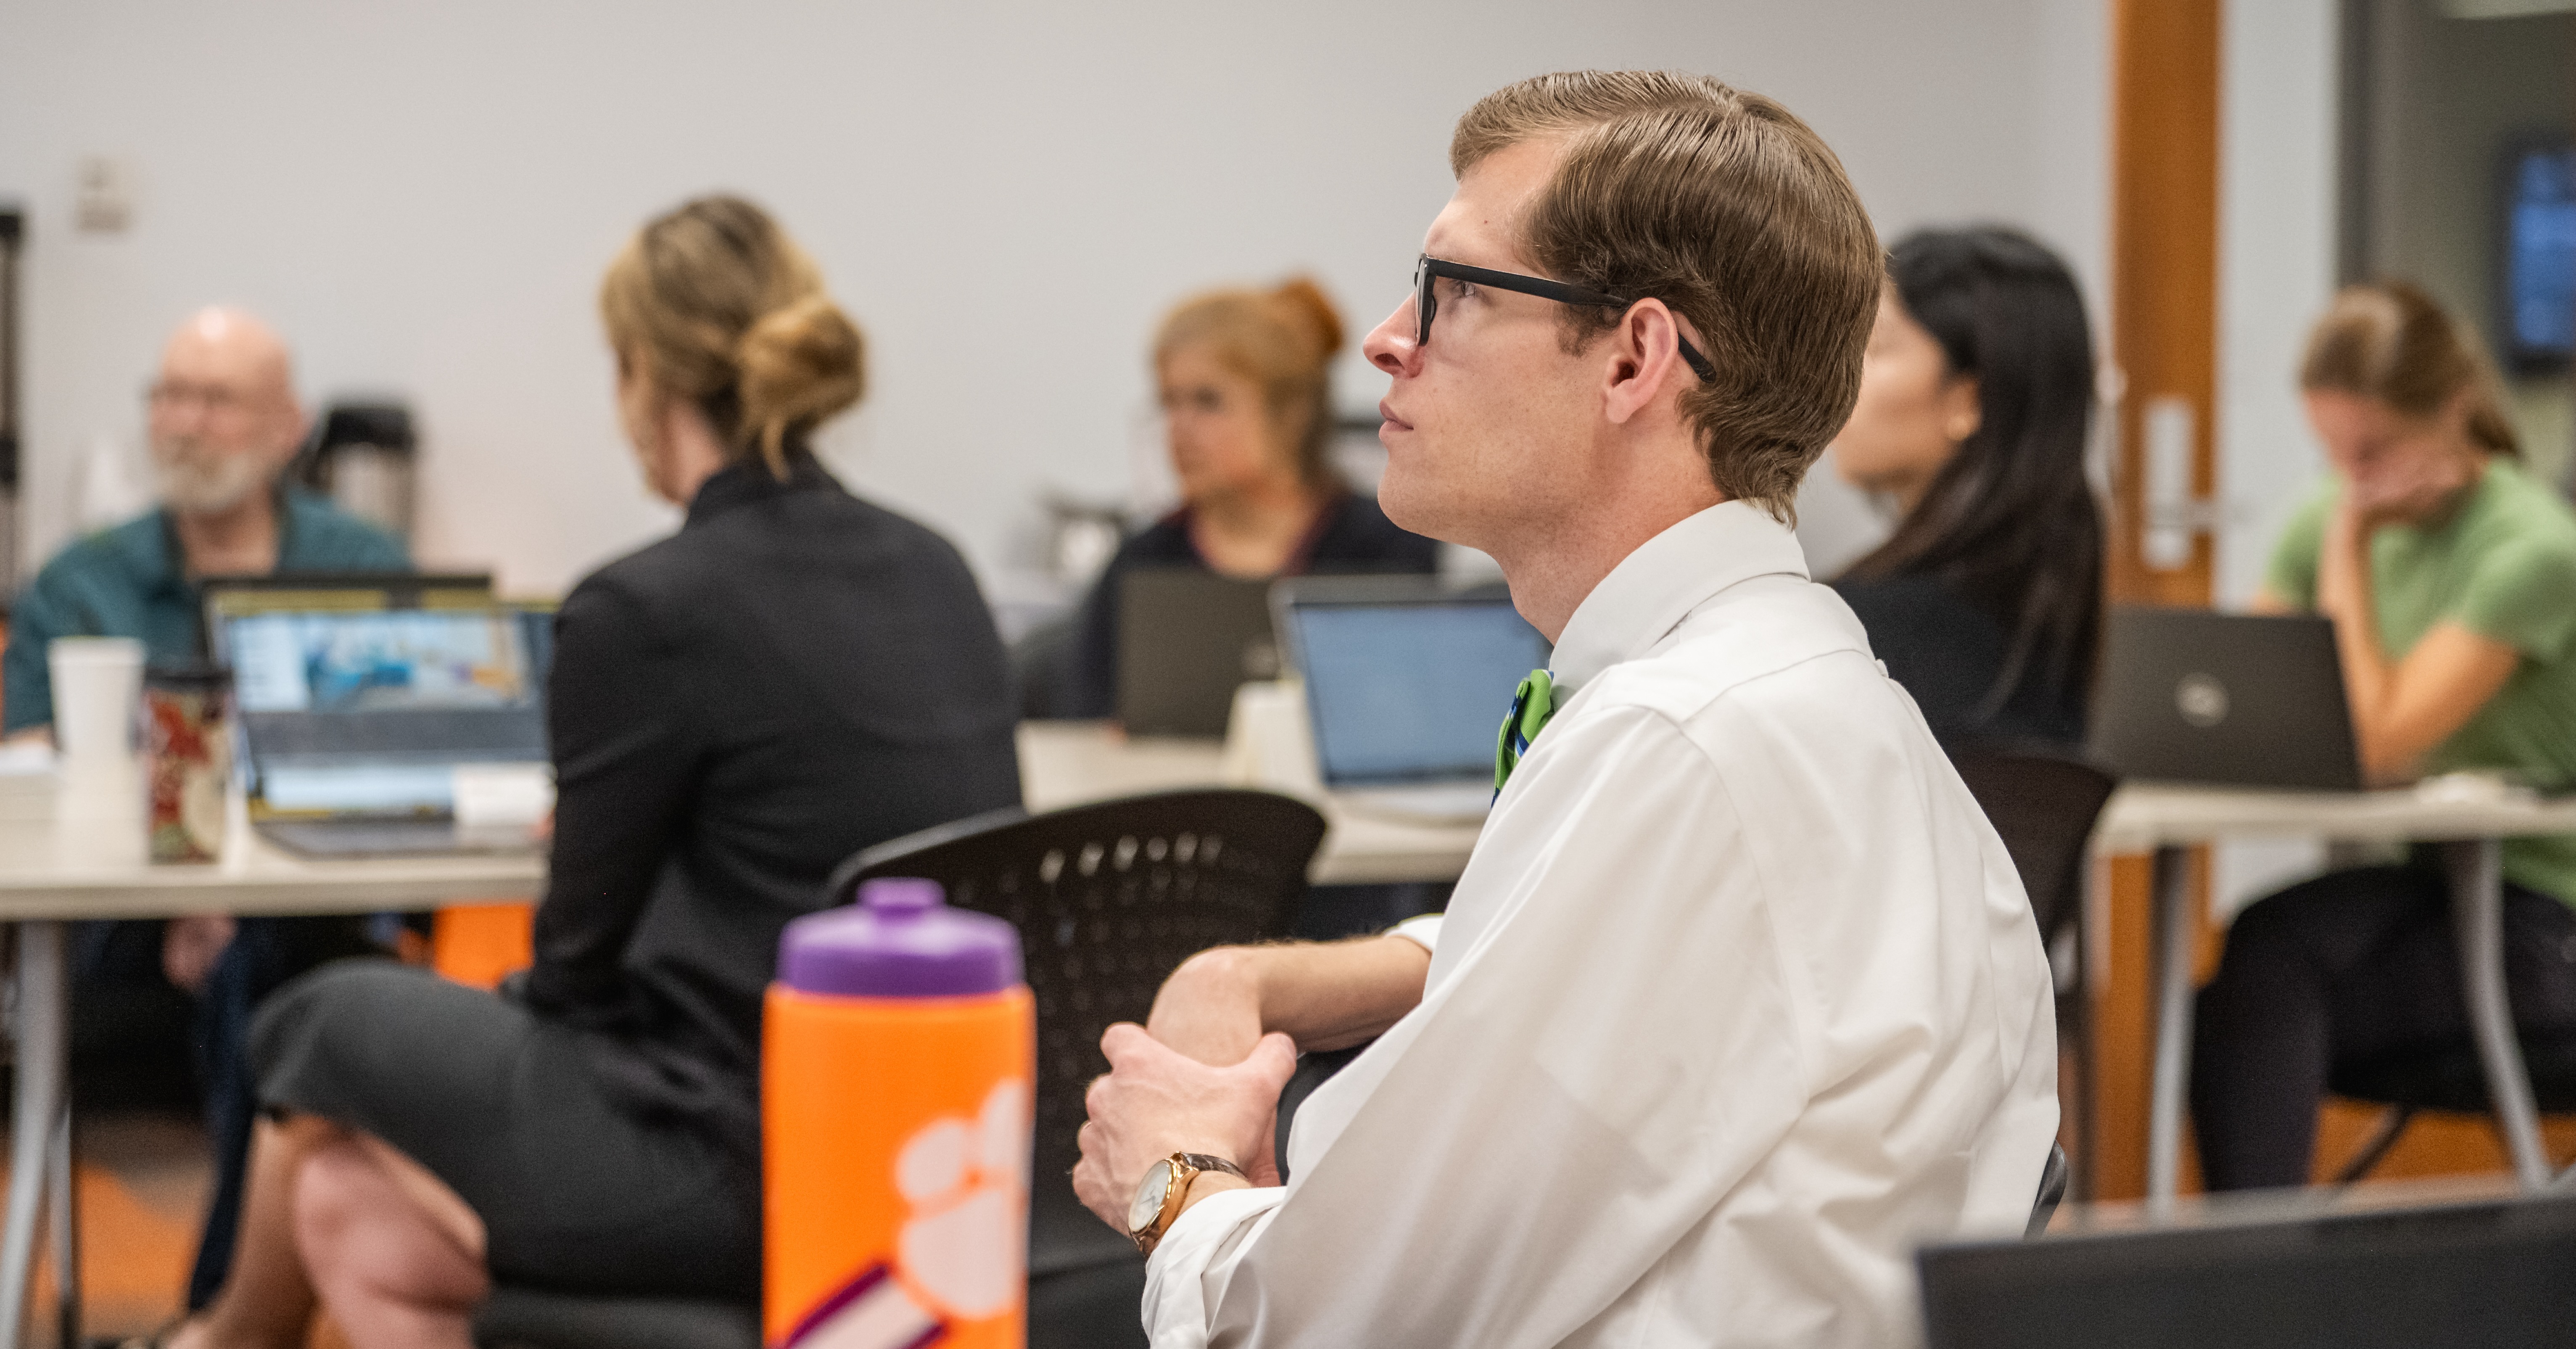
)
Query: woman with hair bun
[
  {"x": 793, "y": 676},
  {"x": 1244, "y": 379},
  {"x": 2450, "y": 574}
]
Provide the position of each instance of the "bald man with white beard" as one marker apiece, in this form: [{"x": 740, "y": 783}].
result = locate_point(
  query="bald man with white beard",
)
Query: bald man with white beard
[{"x": 224, "y": 424}]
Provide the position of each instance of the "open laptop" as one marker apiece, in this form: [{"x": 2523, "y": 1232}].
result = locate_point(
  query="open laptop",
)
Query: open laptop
[
  {"x": 355, "y": 717},
  {"x": 1186, "y": 640},
  {"x": 1406, "y": 685},
  {"x": 2255, "y": 701}
]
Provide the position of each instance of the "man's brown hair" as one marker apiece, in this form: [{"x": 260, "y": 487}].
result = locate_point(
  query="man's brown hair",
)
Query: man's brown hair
[{"x": 1727, "y": 208}]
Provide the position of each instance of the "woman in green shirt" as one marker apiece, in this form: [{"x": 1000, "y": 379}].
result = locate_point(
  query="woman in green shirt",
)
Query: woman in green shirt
[{"x": 2450, "y": 574}]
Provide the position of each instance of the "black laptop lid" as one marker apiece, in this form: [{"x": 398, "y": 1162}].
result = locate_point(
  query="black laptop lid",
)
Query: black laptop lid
[
  {"x": 1186, "y": 640},
  {"x": 2244, "y": 700},
  {"x": 2499, "y": 1275}
]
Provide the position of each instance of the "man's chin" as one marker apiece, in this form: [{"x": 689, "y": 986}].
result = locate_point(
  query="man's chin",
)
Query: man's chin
[
  {"x": 192, "y": 491},
  {"x": 1417, "y": 509}
]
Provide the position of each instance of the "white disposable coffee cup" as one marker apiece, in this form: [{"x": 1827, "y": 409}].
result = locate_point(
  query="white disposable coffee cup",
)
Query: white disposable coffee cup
[{"x": 98, "y": 682}]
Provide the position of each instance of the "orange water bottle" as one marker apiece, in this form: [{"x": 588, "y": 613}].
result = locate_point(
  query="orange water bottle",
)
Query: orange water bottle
[{"x": 899, "y": 1051}]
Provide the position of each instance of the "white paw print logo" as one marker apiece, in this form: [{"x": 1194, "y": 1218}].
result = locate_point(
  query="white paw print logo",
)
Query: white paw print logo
[{"x": 968, "y": 1183}]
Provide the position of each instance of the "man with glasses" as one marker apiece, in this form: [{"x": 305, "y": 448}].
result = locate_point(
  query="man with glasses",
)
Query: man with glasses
[
  {"x": 223, "y": 425},
  {"x": 1739, "y": 998}
]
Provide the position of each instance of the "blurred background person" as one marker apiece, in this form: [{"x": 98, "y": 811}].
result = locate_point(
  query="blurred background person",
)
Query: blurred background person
[
  {"x": 793, "y": 676},
  {"x": 1975, "y": 399},
  {"x": 2450, "y": 575},
  {"x": 224, "y": 424},
  {"x": 1244, "y": 379}
]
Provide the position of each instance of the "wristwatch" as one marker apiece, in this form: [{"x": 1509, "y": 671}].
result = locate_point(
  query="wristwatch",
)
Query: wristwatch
[{"x": 1164, "y": 1189}]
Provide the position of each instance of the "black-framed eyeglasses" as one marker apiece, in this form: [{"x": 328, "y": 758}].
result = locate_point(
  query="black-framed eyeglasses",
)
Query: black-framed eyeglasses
[{"x": 1425, "y": 305}]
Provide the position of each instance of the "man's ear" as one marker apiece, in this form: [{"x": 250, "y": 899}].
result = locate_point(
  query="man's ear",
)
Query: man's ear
[
  {"x": 294, "y": 427},
  {"x": 1643, "y": 361}
]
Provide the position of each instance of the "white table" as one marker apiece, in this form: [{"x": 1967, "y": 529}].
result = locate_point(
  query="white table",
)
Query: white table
[
  {"x": 76, "y": 852},
  {"x": 2167, "y": 821}
]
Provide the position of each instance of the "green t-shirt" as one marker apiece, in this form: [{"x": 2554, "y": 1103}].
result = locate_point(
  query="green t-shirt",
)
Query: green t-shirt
[{"x": 2504, "y": 567}]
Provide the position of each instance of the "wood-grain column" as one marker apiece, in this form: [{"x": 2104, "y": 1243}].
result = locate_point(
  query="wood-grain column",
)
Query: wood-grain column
[{"x": 2164, "y": 344}]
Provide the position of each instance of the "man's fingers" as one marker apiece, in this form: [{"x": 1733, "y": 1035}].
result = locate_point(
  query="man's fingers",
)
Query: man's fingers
[
  {"x": 1126, "y": 1041},
  {"x": 1274, "y": 1059}
]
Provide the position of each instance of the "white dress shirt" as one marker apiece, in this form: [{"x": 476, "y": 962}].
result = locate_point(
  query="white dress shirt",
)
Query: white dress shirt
[{"x": 1738, "y": 1001}]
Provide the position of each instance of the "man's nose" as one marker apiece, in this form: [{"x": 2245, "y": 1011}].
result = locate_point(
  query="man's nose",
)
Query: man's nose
[
  {"x": 183, "y": 419},
  {"x": 1390, "y": 345}
]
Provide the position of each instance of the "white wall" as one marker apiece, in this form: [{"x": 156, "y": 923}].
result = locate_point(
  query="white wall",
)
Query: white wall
[
  {"x": 2276, "y": 266},
  {"x": 2277, "y": 224},
  {"x": 422, "y": 196}
]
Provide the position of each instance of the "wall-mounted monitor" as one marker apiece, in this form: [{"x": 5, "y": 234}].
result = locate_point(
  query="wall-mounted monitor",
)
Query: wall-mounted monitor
[{"x": 2536, "y": 259}]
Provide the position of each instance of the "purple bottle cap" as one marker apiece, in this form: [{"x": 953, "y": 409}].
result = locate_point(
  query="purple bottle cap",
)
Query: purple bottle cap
[{"x": 901, "y": 940}]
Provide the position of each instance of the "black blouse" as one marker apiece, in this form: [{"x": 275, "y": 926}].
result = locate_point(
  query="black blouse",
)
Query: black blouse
[
  {"x": 1949, "y": 652},
  {"x": 1353, "y": 536},
  {"x": 794, "y": 676}
]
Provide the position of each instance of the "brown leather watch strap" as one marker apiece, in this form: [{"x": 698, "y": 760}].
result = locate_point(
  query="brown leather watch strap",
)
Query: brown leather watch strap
[{"x": 1186, "y": 1168}]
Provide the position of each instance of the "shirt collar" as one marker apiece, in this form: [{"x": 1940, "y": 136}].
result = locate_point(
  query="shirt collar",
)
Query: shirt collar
[
  {"x": 749, "y": 480},
  {"x": 1654, "y": 588}
]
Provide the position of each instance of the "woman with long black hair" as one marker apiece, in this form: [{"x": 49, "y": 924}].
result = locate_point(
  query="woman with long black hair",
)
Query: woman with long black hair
[{"x": 1975, "y": 399}]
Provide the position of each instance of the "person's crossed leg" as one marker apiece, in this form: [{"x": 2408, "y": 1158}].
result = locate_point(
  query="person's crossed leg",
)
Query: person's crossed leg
[{"x": 395, "y": 1254}]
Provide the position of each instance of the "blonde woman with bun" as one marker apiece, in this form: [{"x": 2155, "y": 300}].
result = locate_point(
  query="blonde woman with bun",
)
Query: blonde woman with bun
[
  {"x": 1244, "y": 379},
  {"x": 793, "y": 676}
]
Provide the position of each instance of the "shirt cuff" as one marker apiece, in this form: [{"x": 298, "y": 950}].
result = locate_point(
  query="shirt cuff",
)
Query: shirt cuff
[
  {"x": 1186, "y": 1276},
  {"x": 1422, "y": 931}
]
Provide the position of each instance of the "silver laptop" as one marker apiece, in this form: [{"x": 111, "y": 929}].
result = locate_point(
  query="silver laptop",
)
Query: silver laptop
[
  {"x": 1407, "y": 684},
  {"x": 2250, "y": 701},
  {"x": 354, "y": 719}
]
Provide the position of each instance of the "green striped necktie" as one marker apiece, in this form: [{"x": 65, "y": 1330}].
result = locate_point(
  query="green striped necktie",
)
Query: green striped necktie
[{"x": 1532, "y": 704}]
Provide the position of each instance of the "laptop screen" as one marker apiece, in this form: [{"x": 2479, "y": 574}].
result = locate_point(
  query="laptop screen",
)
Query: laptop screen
[
  {"x": 368, "y": 709},
  {"x": 1404, "y": 692}
]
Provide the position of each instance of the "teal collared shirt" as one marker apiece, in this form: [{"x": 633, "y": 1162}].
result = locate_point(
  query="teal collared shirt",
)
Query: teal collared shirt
[{"x": 127, "y": 582}]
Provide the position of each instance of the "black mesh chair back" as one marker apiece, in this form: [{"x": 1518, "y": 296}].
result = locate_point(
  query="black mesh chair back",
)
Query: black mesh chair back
[
  {"x": 2043, "y": 804},
  {"x": 1109, "y": 899}
]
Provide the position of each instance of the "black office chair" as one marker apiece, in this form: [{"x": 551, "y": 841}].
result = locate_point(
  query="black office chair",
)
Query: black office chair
[
  {"x": 1109, "y": 900},
  {"x": 2043, "y": 803},
  {"x": 2447, "y": 1079},
  {"x": 2052, "y": 1189}
]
